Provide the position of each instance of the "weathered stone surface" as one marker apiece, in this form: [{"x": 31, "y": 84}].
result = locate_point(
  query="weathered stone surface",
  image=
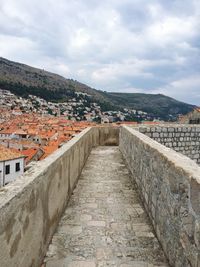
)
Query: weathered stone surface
[
  {"x": 175, "y": 137},
  {"x": 116, "y": 231},
  {"x": 101, "y": 224},
  {"x": 169, "y": 183},
  {"x": 30, "y": 208}
]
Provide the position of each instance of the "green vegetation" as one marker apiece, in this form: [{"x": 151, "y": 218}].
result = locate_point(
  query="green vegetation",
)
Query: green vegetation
[
  {"x": 24, "y": 91},
  {"x": 24, "y": 80},
  {"x": 158, "y": 104}
]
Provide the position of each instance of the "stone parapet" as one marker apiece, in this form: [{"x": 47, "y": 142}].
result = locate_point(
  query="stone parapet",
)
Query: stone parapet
[
  {"x": 184, "y": 139},
  {"x": 31, "y": 207},
  {"x": 169, "y": 183}
]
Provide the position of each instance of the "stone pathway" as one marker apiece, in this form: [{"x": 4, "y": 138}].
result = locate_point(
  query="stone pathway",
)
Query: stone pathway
[{"x": 105, "y": 223}]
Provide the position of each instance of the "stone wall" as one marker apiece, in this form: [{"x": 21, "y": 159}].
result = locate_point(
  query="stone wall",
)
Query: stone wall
[
  {"x": 169, "y": 183},
  {"x": 183, "y": 139},
  {"x": 108, "y": 136},
  {"x": 31, "y": 207}
]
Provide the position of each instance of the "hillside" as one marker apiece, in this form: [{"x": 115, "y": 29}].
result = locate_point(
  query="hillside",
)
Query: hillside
[
  {"x": 23, "y": 80},
  {"x": 150, "y": 103}
]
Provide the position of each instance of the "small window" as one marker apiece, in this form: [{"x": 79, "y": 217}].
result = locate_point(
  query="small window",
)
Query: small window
[
  {"x": 17, "y": 167},
  {"x": 7, "y": 169}
]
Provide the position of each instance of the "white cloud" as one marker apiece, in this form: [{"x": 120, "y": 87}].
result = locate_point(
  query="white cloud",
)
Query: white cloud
[
  {"x": 111, "y": 45},
  {"x": 186, "y": 89},
  {"x": 18, "y": 47}
]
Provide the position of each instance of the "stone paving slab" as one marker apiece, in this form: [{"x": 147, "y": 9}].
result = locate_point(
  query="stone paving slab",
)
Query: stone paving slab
[{"x": 105, "y": 223}]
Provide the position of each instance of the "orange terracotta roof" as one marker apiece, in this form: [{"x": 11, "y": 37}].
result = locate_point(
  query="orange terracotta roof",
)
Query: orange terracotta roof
[
  {"x": 29, "y": 153},
  {"x": 9, "y": 154},
  {"x": 48, "y": 150},
  {"x": 20, "y": 132},
  {"x": 7, "y": 131}
]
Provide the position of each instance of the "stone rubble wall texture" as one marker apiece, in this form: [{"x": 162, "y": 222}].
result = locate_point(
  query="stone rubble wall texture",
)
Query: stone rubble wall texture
[
  {"x": 184, "y": 139},
  {"x": 169, "y": 184},
  {"x": 31, "y": 207}
]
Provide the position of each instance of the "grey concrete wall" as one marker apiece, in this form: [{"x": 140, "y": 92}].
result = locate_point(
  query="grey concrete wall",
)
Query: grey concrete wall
[
  {"x": 30, "y": 208},
  {"x": 169, "y": 183},
  {"x": 108, "y": 136},
  {"x": 182, "y": 138}
]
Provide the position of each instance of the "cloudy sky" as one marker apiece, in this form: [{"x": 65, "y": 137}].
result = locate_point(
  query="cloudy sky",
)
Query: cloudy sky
[{"x": 150, "y": 46}]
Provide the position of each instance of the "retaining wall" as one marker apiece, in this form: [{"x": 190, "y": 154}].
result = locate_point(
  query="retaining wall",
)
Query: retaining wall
[
  {"x": 31, "y": 207},
  {"x": 183, "y": 139},
  {"x": 169, "y": 184}
]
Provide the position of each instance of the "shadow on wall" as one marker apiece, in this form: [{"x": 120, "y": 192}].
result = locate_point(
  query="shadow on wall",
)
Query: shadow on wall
[
  {"x": 169, "y": 185},
  {"x": 31, "y": 207},
  {"x": 108, "y": 136}
]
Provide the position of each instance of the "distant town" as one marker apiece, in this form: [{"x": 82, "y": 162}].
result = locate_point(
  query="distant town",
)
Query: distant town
[
  {"x": 31, "y": 128},
  {"x": 79, "y": 108}
]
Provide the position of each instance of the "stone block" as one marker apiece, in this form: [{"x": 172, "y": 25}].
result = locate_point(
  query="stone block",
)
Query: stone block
[
  {"x": 143, "y": 129},
  {"x": 84, "y": 263},
  {"x": 152, "y": 129},
  {"x": 155, "y": 135},
  {"x": 169, "y": 170},
  {"x": 171, "y": 130}
]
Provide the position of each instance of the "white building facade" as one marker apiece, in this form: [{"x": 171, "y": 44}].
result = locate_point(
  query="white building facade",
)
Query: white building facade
[{"x": 11, "y": 167}]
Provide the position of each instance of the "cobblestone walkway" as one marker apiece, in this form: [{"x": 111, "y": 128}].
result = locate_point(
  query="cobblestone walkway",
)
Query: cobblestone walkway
[{"x": 105, "y": 223}]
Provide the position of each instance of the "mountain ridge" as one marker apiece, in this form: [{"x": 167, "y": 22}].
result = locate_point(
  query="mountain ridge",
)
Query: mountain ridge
[{"x": 23, "y": 79}]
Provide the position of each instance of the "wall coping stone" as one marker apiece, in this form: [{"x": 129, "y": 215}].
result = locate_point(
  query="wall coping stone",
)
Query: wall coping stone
[
  {"x": 24, "y": 181},
  {"x": 179, "y": 160}
]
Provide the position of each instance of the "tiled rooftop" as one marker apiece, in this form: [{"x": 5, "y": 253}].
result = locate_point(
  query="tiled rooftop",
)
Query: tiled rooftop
[
  {"x": 8, "y": 154},
  {"x": 53, "y": 131}
]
